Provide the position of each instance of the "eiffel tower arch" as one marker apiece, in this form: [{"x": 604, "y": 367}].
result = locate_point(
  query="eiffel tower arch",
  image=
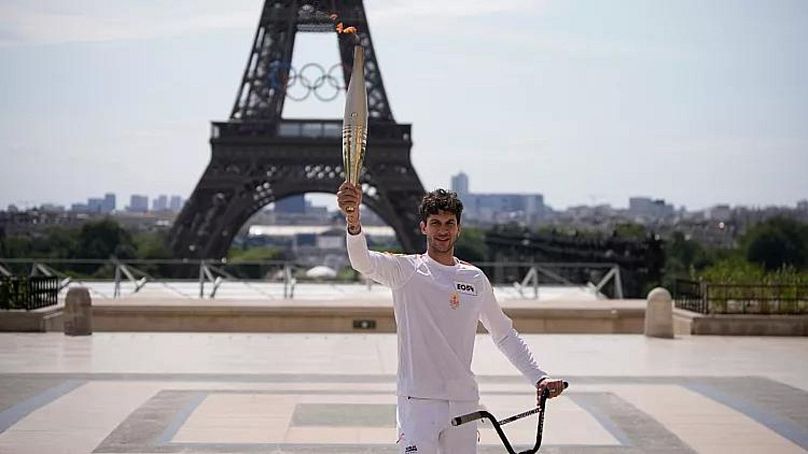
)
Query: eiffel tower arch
[{"x": 258, "y": 157}]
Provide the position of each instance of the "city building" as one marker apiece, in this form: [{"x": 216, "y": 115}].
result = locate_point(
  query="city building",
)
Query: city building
[
  {"x": 160, "y": 203},
  {"x": 79, "y": 208},
  {"x": 460, "y": 185},
  {"x": 648, "y": 209},
  {"x": 108, "y": 205},
  {"x": 175, "y": 204},
  {"x": 138, "y": 204},
  {"x": 498, "y": 207},
  {"x": 291, "y": 204},
  {"x": 721, "y": 213},
  {"x": 52, "y": 208},
  {"x": 95, "y": 205}
]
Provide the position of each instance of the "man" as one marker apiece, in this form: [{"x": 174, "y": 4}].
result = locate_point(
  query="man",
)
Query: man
[{"x": 437, "y": 300}]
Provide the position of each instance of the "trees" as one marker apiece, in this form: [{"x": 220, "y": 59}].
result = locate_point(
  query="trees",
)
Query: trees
[
  {"x": 774, "y": 245},
  {"x": 471, "y": 245},
  {"x": 94, "y": 240},
  {"x": 777, "y": 243},
  {"x": 773, "y": 250},
  {"x": 97, "y": 240},
  {"x": 236, "y": 256},
  {"x": 630, "y": 230},
  {"x": 104, "y": 239},
  {"x": 152, "y": 245},
  {"x": 684, "y": 256},
  {"x": 260, "y": 253}
]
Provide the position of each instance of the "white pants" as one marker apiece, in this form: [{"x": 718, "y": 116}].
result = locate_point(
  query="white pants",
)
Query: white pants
[{"x": 424, "y": 426}]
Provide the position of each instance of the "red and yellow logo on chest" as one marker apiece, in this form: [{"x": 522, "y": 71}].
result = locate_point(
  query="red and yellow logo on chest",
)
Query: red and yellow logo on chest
[{"x": 454, "y": 300}]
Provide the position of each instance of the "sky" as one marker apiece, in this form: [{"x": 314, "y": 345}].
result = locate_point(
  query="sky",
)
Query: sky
[{"x": 698, "y": 102}]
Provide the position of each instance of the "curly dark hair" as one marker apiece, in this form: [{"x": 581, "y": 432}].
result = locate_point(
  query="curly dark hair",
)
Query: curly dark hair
[{"x": 440, "y": 200}]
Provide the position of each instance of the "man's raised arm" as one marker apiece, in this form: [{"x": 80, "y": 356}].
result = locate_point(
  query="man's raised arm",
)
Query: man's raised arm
[{"x": 386, "y": 269}]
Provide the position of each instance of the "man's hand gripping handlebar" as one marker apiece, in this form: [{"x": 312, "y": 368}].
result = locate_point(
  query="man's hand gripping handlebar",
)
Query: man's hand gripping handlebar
[{"x": 482, "y": 414}]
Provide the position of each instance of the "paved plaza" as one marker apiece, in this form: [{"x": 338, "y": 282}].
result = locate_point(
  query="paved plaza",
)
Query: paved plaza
[{"x": 334, "y": 393}]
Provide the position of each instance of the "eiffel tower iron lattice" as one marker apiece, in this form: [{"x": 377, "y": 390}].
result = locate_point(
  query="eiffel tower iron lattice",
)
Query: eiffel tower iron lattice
[{"x": 258, "y": 157}]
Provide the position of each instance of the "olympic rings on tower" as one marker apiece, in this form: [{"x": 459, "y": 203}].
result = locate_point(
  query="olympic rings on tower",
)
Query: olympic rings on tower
[{"x": 311, "y": 78}]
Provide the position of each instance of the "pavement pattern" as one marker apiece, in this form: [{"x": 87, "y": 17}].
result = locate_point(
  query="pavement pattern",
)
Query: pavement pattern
[{"x": 335, "y": 393}]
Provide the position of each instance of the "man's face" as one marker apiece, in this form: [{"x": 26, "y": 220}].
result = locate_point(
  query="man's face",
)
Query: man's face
[{"x": 441, "y": 231}]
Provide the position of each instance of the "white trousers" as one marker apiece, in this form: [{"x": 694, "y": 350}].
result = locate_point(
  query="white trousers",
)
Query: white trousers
[{"x": 424, "y": 426}]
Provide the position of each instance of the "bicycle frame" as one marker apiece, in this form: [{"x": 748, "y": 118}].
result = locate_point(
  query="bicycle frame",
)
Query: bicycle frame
[{"x": 482, "y": 414}]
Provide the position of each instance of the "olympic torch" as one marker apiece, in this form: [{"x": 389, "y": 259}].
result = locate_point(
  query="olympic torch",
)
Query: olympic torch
[{"x": 355, "y": 121}]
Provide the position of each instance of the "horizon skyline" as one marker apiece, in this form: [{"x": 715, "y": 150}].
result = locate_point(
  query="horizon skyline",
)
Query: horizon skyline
[
  {"x": 697, "y": 103},
  {"x": 320, "y": 197}
]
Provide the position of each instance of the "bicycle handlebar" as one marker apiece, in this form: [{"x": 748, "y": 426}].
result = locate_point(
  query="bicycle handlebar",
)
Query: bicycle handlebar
[{"x": 480, "y": 414}]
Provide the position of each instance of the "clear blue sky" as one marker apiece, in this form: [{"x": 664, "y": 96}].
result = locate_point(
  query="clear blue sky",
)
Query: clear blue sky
[{"x": 695, "y": 101}]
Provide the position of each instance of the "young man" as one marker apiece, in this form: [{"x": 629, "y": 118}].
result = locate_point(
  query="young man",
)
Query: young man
[{"x": 437, "y": 300}]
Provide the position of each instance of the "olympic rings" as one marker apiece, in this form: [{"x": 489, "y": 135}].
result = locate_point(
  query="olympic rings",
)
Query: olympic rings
[{"x": 310, "y": 78}]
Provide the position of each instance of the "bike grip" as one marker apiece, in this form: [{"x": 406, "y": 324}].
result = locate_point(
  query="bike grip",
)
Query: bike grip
[
  {"x": 546, "y": 393},
  {"x": 456, "y": 421},
  {"x": 566, "y": 384}
]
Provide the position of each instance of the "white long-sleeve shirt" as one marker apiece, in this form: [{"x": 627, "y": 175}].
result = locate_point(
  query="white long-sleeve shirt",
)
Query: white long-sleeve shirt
[{"x": 437, "y": 308}]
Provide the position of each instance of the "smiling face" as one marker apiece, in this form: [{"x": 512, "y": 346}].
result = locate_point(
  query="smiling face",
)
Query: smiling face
[{"x": 441, "y": 230}]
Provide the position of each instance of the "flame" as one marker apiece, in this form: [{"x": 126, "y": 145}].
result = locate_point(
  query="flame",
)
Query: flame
[{"x": 340, "y": 27}]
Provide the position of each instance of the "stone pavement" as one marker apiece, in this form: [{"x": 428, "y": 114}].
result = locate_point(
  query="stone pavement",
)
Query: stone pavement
[{"x": 334, "y": 393}]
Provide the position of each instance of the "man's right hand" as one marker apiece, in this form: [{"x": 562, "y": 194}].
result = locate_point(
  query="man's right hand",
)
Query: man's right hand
[
  {"x": 349, "y": 198},
  {"x": 555, "y": 386}
]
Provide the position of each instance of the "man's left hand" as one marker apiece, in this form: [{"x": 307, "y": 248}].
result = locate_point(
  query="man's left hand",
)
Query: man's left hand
[{"x": 554, "y": 385}]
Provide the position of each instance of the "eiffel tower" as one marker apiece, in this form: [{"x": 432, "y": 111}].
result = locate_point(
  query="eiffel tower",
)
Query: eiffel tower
[{"x": 258, "y": 157}]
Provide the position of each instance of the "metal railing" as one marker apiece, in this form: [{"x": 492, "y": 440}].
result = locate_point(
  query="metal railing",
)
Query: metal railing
[
  {"x": 209, "y": 275},
  {"x": 689, "y": 295},
  {"x": 710, "y": 298},
  {"x": 526, "y": 276},
  {"x": 27, "y": 292},
  {"x": 138, "y": 273},
  {"x": 326, "y": 129}
]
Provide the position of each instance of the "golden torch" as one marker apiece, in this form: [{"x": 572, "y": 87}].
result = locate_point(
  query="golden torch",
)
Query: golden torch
[{"x": 355, "y": 121}]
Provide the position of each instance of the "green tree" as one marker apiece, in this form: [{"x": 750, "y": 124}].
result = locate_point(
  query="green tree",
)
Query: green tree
[
  {"x": 471, "y": 245},
  {"x": 152, "y": 245},
  {"x": 15, "y": 246},
  {"x": 60, "y": 243},
  {"x": 630, "y": 230},
  {"x": 776, "y": 243},
  {"x": 734, "y": 270},
  {"x": 237, "y": 255},
  {"x": 104, "y": 239},
  {"x": 253, "y": 254},
  {"x": 684, "y": 256},
  {"x": 55, "y": 242}
]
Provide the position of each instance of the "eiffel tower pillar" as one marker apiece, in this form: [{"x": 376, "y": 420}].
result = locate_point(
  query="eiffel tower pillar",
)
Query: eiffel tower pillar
[{"x": 258, "y": 157}]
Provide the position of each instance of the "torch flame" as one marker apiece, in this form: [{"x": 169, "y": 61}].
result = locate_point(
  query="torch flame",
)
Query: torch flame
[{"x": 341, "y": 28}]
